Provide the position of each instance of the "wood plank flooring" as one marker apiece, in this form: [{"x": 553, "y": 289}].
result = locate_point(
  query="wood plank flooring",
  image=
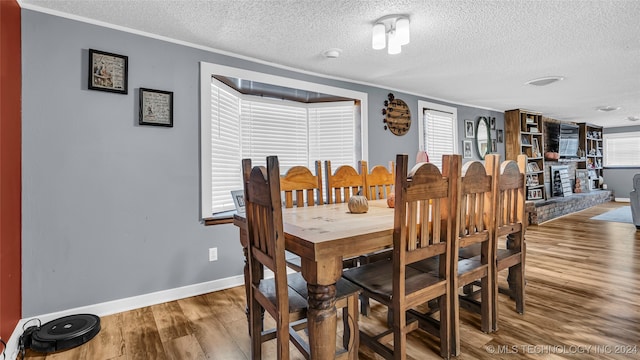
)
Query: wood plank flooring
[{"x": 583, "y": 302}]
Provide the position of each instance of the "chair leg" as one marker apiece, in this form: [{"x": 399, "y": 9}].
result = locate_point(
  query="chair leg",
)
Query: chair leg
[
  {"x": 487, "y": 304},
  {"x": 516, "y": 285},
  {"x": 365, "y": 305},
  {"x": 446, "y": 342},
  {"x": 351, "y": 331},
  {"x": 255, "y": 323}
]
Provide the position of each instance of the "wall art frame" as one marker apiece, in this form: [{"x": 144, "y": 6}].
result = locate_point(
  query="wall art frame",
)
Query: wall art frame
[
  {"x": 108, "y": 72},
  {"x": 156, "y": 107},
  {"x": 469, "y": 129}
]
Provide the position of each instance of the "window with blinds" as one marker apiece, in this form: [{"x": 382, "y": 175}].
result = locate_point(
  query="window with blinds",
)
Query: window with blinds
[
  {"x": 438, "y": 131},
  {"x": 250, "y": 127},
  {"x": 622, "y": 149}
]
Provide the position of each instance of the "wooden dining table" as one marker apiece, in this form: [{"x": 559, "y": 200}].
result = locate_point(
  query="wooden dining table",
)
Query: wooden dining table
[{"x": 322, "y": 236}]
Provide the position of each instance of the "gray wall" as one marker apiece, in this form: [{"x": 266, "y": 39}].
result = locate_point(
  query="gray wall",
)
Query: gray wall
[
  {"x": 620, "y": 180},
  {"x": 110, "y": 208}
]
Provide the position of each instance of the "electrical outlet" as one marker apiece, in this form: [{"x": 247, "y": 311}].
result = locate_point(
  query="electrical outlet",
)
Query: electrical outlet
[{"x": 213, "y": 254}]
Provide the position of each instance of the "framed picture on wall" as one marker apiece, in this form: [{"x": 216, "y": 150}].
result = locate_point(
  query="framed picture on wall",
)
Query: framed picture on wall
[
  {"x": 500, "y": 135},
  {"x": 466, "y": 148},
  {"x": 494, "y": 146},
  {"x": 238, "y": 201},
  {"x": 492, "y": 122},
  {"x": 156, "y": 107},
  {"x": 469, "y": 129},
  {"x": 108, "y": 72}
]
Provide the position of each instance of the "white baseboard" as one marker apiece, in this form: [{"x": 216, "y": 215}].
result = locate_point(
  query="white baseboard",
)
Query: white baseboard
[
  {"x": 126, "y": 304},
  {"x": 622, "y": 199}
]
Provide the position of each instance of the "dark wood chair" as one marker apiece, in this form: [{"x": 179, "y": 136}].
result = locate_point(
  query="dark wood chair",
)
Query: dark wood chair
[
  {"x": 425, "y": 224},
  {"x": 284, "y": 296}
]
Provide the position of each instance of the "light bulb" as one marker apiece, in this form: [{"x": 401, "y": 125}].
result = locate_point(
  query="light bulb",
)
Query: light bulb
[
  {"x": 402, "y": 31},
  {"x": 378, "y": 36},
  {"x": 394, "y": 43}
]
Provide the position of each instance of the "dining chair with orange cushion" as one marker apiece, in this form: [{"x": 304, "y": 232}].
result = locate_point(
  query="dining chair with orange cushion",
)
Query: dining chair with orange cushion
[
  {"x": 283, "y": 297},
  {"x": 425, "y": 224}
]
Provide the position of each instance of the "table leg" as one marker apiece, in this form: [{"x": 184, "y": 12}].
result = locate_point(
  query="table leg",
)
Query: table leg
[
  {"x": 321, "y": 280},
  {"x": 322, "y": 321}
]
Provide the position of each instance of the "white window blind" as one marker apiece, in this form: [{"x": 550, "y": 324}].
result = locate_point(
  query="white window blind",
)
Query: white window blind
[
  {"x": 332, "y": 133},
  {"x": 439, "y": 134},
  {"x": 299, "y": 134},
  {"x": 269, "y": 128},
  {"x": 226, "y": 167},
  {"x": 622, "y": 149}
]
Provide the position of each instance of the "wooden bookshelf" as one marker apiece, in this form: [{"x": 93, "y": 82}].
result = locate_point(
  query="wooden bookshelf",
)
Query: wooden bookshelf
[
  {"x": 592, "y": 144},
  {"x": 524, "y": 130}
]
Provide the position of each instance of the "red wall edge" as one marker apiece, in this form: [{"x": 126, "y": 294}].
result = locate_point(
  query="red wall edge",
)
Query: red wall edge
[{"x": 10, "y": 167}]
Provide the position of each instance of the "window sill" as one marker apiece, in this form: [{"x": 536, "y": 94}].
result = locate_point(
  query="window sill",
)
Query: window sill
[{"x": 225, "y": 217}]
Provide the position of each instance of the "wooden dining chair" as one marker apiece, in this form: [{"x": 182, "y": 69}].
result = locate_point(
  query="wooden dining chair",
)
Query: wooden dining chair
[
  {"x": 425, "y": 224},
  {"x": 284, "y": 296},
  {"x": 378, "y": 184},
  {"x": 475, "y": 236},
  {"x": 510, "y": 226},
  {"x": 342, "y": 184},
  {"x": 300, "y": 187},
  {"x": 379, "y": 181},
  {"x": 476, "y": 223}
]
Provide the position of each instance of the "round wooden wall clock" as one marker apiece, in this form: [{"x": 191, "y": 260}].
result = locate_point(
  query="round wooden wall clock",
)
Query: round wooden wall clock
[{"x": 397, "y": 116}]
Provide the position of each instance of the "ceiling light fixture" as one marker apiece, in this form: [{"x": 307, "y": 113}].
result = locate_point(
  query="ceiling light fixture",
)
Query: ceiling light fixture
[
  {"x": 333, "y": 53},
  {"x": 543, "y": 81},
  {"x": 393, "y": 29},
  {"x": 633, "y": 118},
  {"x": 608, "y": 108}
]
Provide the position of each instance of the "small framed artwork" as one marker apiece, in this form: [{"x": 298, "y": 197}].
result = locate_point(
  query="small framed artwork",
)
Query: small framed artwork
[
  {"x": 494, "y": 146},
  {"x": 492, "y": 122},
  {"x": 466, "y": 147},
  {"x": 156, "y": 107},
  {"x": 468, "y": 129},
  {"x": 500, "y": 135},
  {"x": 108, "y": 72},
  {"x": 535, "y": 148},
  {"x": 238, "y": 201}
]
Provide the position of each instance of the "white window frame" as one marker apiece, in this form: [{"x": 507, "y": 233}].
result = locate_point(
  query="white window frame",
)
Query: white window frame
[
  {"x": 607, "y": 150},
  {"x": 207, "y": 70},
  {"x": 425, "y": 105}
]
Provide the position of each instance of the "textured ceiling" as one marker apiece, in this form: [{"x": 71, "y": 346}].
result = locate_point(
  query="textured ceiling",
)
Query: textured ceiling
[{"x": 478, "y": 53}]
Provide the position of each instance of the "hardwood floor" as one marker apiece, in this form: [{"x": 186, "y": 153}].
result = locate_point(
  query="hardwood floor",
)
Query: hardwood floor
[{"x": 582, "y": 302}]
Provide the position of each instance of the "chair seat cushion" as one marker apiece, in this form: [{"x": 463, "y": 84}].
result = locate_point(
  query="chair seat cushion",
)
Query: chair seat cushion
[{"x": 376, "y": 279}]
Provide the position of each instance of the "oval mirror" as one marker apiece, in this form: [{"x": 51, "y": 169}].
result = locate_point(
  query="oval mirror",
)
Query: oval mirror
[{"x": 483, "y": 137}]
